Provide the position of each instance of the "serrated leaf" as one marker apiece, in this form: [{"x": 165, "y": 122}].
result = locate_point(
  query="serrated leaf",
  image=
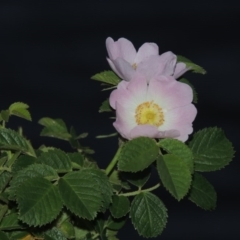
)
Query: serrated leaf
[
  {"x": 115, "y": 223},
  {"x": 107, "y": 77},
  {"x": 137, "y": 154},
  {"x": 23, "y": 162},
  {"x": 81, "y": 194},
  {"x": 18, "y": 105},
  {"x": 5, "y": 178},
  {"x": 120, "y": 206},
  {"x": 3, "y": 236},
  {"x": 192, "y": 66},
  {"x": 54, "y": 128},
  {"x": 195, "y": 95},
  {"x": 32, "y": 171},
  {"x": 211, "y": 150},
  {"x": 179, "y": 149},
  {"x": 54, "y": 234},
  {"x": 21, "y": 110},
  {"x": 202, "y": 193},
  {"x": 67, "y": 229},
  {"x": 10, "y": 222},
  {"x": 43, "y": 206},
  {"x": 175, "y": 175},
  {"x": 57, "y": 159},
  {"x": 105, "y": 187},
  {"x": 105, "y": 107},
  {"x": 11, "y": 140},
  {"x": 138, "y": 179},
  {"x": 148, "y": 215},
  {"x": 76, "y": 158}
]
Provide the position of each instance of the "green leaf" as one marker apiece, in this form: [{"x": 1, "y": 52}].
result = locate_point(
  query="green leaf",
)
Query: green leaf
[
  {"x": 202, "y": 193},
  {"x": 10, "y": 222},
  {"x": 115, "y": 223},
  {"x": 81, "y": 194},
  {"x": 137, "y": 154},
  {"x": 211, "y": 150},
  {"x": 57, "y": 159},
  {"x": 3, "y": 210},
  {"x": 5, "y": 178},
  {"x": 32, "y": 171},
  {"x": 105, "y": 187},
  {"x": 67, "y": 229},
  {"x": 105, "y": 107},
  {"x": 148, "y": 215},
  {"x": 3, "y": 236},
  {"x": 111, "y": 235},
  {"x": 23, "y": 162},
  {"x": 4, "y": 115},
  {"x": 108, "y": 77},
  {"x": 120, "y": 206},
  {"x": 175, "y": 175},
  {"x": 54, "y": 234},
  {"x": 179, "y": 149},
  {"x": 192, "y": 66},
  {"x": 20, "y": 109},
  {"x": 54, "y": 128},
  {"x": 11, "y": 140},
  {"x": 138, "y": 179},
  {"x": 76, "y": 158},
  {"x": 195, "y": 95},
  {"x": 43, "y": 206}
]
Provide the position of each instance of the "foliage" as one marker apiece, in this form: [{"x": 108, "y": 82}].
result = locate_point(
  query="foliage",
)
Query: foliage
[{"x": 50, "y": 194}]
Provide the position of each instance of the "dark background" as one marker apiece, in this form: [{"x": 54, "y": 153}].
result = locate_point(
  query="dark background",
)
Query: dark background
[{"x": 49, "y": 50}]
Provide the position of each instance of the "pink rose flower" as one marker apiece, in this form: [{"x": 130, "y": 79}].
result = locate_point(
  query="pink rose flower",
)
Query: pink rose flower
[
  {"x": 161, "y": 108},
  {"x": 125, "y": 61}
]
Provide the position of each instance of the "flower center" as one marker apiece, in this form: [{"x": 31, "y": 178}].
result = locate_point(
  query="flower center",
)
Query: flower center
[
  {"x": 149, "y": 113},
  {"x": 134, "y": 66}
]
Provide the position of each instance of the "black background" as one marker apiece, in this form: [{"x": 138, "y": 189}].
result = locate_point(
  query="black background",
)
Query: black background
[{"x": 49, "y": 50}]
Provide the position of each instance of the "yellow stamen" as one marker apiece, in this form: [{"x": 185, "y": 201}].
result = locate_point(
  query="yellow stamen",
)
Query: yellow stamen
[
  {"x": 134, "y": 66},
  {"x": 149, "y": 113}
]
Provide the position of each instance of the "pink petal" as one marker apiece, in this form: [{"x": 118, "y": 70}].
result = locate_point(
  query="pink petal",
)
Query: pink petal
[
  {"x": 151, "y": 67},
  {"x": 124, "y": 121},
  {"x": 145, "y": 51},
  {"x": 169, "y": 93},
  {"x": 112, "y": 49},
  {"x": 126, "y": 49},
  {"x": 144, "y": 131},
  {"x": 114, "y": 68},
  {"x": 119, "y": 94},
  {"x": 124, "y": 69},
  {"x": 167, "y": 63},
  {"x": 180, "y": 69}
]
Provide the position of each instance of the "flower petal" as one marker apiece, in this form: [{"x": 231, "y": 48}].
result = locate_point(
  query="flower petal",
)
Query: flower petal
[
  {"x": 169, "y": 93},
  {"x": 180, "y": 69},
  {"x": 167, "y": 63},
  {"x": 112, "y": 49},
  {"x": 144, "y": 131},
  {"x": 124, "y": 69},
  {"x": 114, "y": 68},
  {"x": 145, "y": 51},
  {"x": 126, "y": 49}
]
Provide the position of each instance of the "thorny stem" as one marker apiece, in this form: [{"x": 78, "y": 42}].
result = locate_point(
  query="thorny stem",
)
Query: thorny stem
[
  {"x": 139, "y": 191},
  {"x": 114, "y": 161}
]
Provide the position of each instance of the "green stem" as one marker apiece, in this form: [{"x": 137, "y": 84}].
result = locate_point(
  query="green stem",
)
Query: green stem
[
  {"x": 139, "y": 191},
  {"x": 114, "y": 160}
]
